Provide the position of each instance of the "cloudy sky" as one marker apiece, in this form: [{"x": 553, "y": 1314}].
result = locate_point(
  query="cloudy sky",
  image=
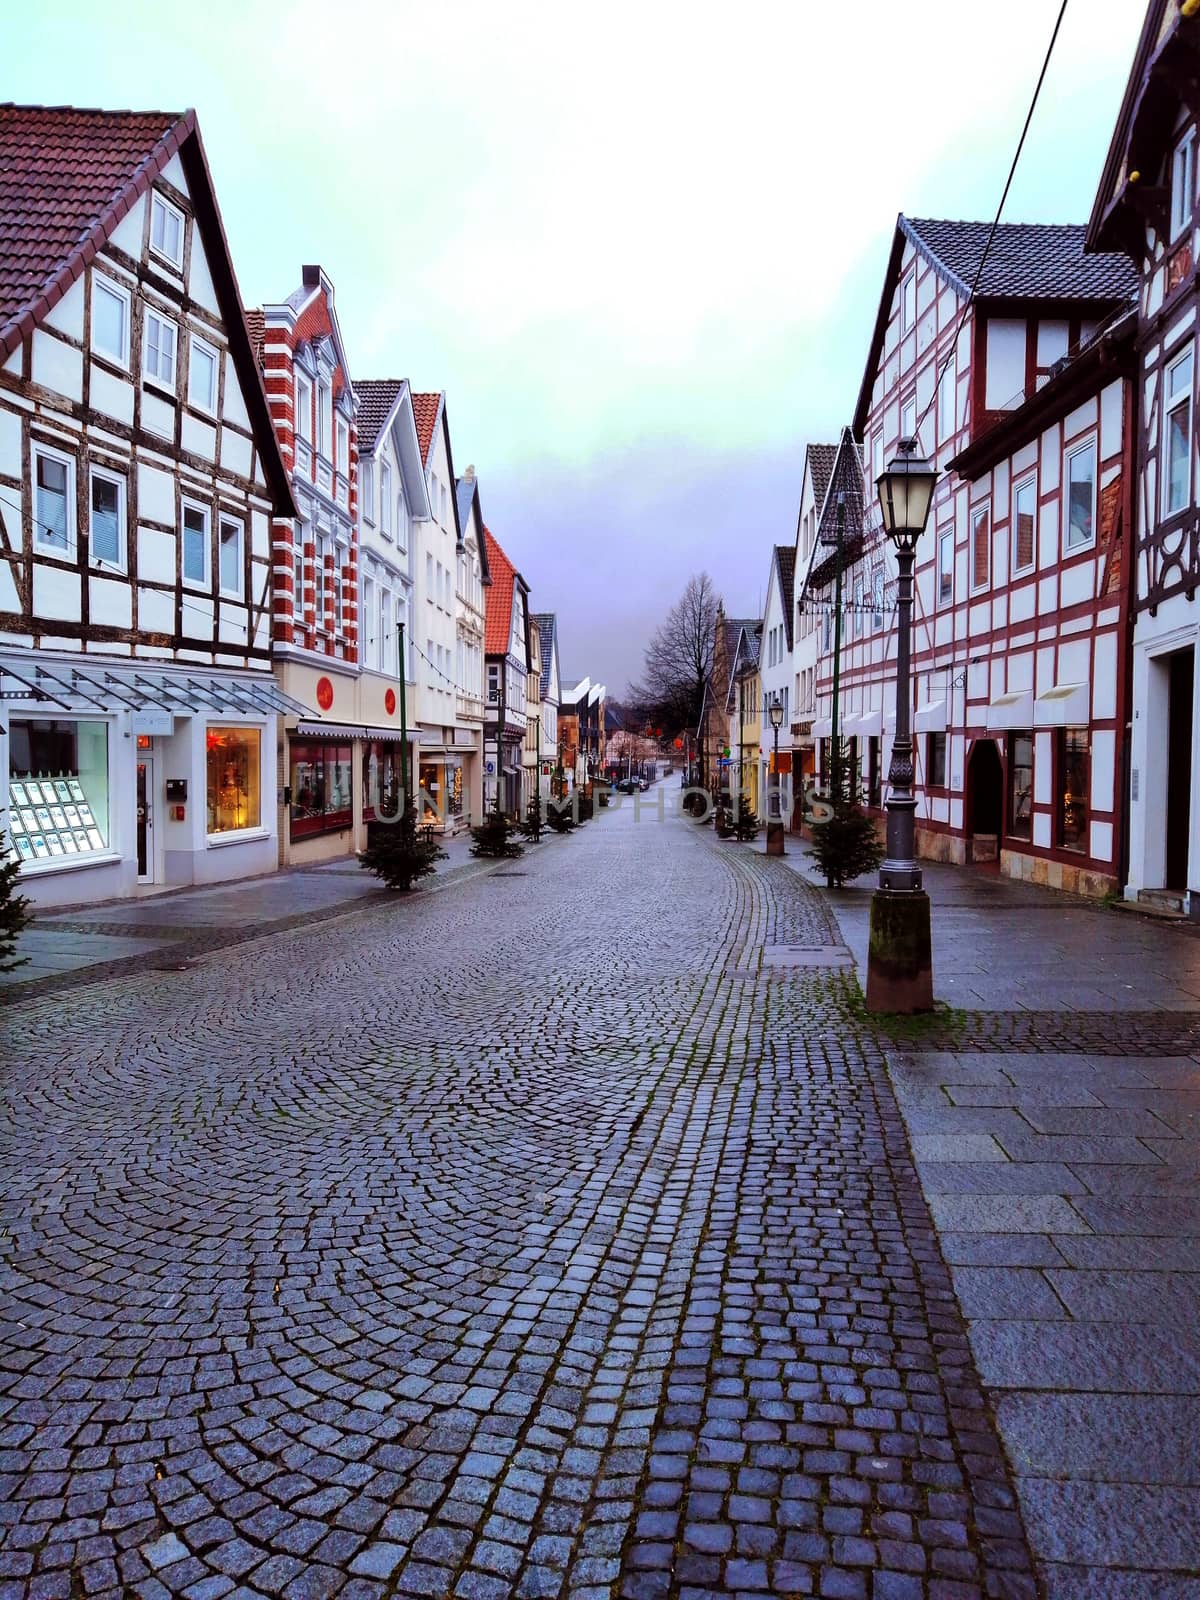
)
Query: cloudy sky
[{"x": 639, "y": 245}]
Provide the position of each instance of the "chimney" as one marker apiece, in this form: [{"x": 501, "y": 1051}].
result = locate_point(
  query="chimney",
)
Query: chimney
[{"x": 469, "y": 475}]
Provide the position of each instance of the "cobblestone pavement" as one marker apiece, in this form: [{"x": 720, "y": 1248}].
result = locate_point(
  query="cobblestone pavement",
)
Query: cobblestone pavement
[{"x": 534, "y": 1238}]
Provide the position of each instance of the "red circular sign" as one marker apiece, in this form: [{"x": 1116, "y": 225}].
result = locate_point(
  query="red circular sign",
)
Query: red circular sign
[
  {"x": 324, "y": 693},
  {"x": 679, "y": 744},
  {"x": 389, "y": 702}
]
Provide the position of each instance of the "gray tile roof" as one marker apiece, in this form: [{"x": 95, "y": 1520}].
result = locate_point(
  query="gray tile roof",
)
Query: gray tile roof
[
  {"x": 547, "y": 626},
  {"x": 820, "y": 465},
  {"x": 376, "y": 397},
  {"x": 785, "y": 558},
  {"x": 1027, "y": 260}
]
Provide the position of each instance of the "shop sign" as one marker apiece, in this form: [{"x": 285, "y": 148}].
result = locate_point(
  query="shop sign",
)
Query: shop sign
[
  {"x": 153, "y": 722},
  {"x": 389, "y": 702},
  {"x": 324, "y": 693}
]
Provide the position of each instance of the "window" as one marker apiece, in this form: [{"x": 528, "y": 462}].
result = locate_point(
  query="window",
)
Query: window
[
  {"x": 233, "y": 770},
  {"x": 202, "y": 376},
  {"x": 908, "y": 302},
  {"x": 908, "y": 420},
  {"x": 493, "y": 681},
  {"x": 54, "y": 501},
  {"x": 106, "y": 526},
  {"x": 366, "y": 489},
  {"x": 1081, "y": 497},
  {"x": 57, "y": 788},
  {"x": 1074, "y": 774},
  {"x": 401, "y": 521},
  {"x": 320, "y": 772},
  {"x": 370, "y": 643},
  {"x": 343, "y": 448},
  {"x": 386, "y": 654},
  {"x": 166, "y": 230},
  {"x": 858, "y": 606},
  {"x": 230, "y": 551},
  {"x": 321, "y": 578},
  {"x": 877, "y": 598},
  {"x": 298, "y": 576},
  {"x": 946, "y": 565},
  {"x": 428, "y": 576},
  {"x": 981, "y": 548},
  {"x": 382, "y": 777},
  {"x": 110, "y": 320},
  {"x": 935, "y": 761},
  {"x": 324, "y": 419},
  {"x": 304, "y": 407},
  {"x": 1024, "y": 524},
  {"x": 195, "y": 545},
  {"x": 1183, "y": 183},
  {"x": 1020, "y": 785},
  {"x": 947, "y": 393},
  {"x": 1177, "y": 449},
  {"x": 385, "y": 499},
  {"x": 162, "y": 337}
]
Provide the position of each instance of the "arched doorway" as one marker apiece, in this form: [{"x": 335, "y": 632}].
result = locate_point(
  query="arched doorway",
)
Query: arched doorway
[{"x": 985, "y": 801}]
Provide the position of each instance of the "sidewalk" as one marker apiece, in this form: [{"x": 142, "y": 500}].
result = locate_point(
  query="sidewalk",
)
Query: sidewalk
[
  {"x": 1063, "y": 1176},
  {"x": 70, "y": 945}
]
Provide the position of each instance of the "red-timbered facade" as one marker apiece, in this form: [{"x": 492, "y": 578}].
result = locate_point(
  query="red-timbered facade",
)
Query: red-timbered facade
[
  {"x": 1146, "y": 205},
  {"x": 1021, "y": 400}
]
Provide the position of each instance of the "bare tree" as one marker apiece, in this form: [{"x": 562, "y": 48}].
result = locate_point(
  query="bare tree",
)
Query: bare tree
[{"x": 679, "y": 659}]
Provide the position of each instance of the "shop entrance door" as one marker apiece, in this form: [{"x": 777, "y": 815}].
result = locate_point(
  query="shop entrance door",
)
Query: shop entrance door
[
  {"x": 1179, "y": 768},
  {"x": 145, "y": 818}
]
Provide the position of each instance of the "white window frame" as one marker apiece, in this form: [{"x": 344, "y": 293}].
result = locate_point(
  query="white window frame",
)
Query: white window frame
[
  {"x": 1183, "y": 183},
  {"x": 366, "y": 489},
  {"x": 304, "y": 419},
  {"x": 1087, "y": 448},
  {"x": 205, "y": 511},
  {"x": 209, "y": 406},
  {"x": 977, "y": 513},
  {"x": 908, "y": 282},
  {"x": 117, "y": 564},
  {"x": 385, "y": 500},
  {"x": 225, "y": 521},
  {"x": 387, "y": 627},
  {"x": 877, "y": 595},
  {"x": 909, "y": 432},
  {"x": 65, "y": 552},
  {"x": 1172, "y": 404},
  {"x": 159, "y": 204},
  {"x": 948, "y": 401},
  {"x": 341, "y": 433},
  {"x": 1029, "y": 483},
  {"x": 945, "y": 573},
  {"x": 118, "y": 291},
  {"x": 429, "y": 576},
  {"x": 152, "y": 376},
  {"x": 325, "y": 420},
  {"x": 401, "y": 519}
]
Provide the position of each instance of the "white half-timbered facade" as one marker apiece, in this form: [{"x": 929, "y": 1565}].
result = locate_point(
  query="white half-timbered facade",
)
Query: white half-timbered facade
[
  {"x": 138, "y": 477},
  {"x": 775, "y": 673},
  {"x": 469, "y": 620},
  {"x": 1147, "y": 205},
  {"x": 1018, "y": 396},
  {"x": 807, "y": 622}
]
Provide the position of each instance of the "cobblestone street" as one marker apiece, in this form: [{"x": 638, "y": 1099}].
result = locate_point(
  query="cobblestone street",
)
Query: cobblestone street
[{"x": 476, "y": 1246}]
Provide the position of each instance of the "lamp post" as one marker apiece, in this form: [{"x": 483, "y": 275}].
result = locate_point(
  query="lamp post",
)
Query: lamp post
[
  {"x": 775, "y": 812},
  {"x": 899, "y": 962}
]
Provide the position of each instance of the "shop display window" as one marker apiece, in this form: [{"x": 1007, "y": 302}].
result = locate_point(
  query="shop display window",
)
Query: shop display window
[
  {"x": 234, "y": 778},
  {"x": 57, "y": 788},
  {"x": 382, "y": 780},
  {"x": 432, "y": 798},
  {"x": 1020, "y": 785},
  {"x": 320, "y": 778},
  {"x": 1074, "y": 783}
]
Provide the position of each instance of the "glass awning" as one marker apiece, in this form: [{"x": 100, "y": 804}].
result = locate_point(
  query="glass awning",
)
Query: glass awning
[{"x": 138, "y": 688}]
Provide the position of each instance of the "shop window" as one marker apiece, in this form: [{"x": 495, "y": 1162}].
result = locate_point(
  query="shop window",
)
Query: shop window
[
  {"x": 1020, "y": 785},
  {"x": 320, "y": 777},
  {"x": 58, "y": 788},
  {"x": 1074, "y": 785},
  {"x": 383, "y": 780},
  {"x": 935, "y": 761},
  {"x": 234, "y": 771},
  {"x": 432, "y": 798}
]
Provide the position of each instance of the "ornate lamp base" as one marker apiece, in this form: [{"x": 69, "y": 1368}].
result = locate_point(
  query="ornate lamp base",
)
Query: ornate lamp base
[{"x": 900, "y": 958}]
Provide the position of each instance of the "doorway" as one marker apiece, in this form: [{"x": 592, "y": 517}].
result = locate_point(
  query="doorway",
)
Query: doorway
[
  {"x": 985, "y": 801},
  {"x": 1179, "y": 767},
  {"x": 145, "y": 817}
]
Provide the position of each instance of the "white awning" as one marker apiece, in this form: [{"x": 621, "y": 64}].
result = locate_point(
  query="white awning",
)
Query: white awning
[
  {"x": 931, "y": 717},
  {"x": 822, "y": 727},
  {"x": 134, "y": 686},
  {"x": 1065, "y": 705},
  {"x": 866, "y": 725},
  {"x": 1012, "y": 710}
]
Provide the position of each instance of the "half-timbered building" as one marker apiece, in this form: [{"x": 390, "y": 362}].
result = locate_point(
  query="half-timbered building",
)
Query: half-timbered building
[
  {"x": 776, "y": 671},
  {"x": 1017, "y": 603},
  {"x": 806, "y": 627},
  {"x": 470, "y": 619},
  {"x": 507, "y": 665},
  {"x": 139, "y": 475},
  {"x": 1147, "y": 205}
]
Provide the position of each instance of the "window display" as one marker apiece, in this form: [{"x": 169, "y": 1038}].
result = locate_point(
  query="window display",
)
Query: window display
[
  {"x": 58, "y": 788},
  {"x": 1020, "y": 785},
  {"x": 432, "y": 798},
  {"x": 381, "y": 780},
  {"x": 320, "y": 777},
  {"x": 234, "y": 765},
  {"x": 1075, "y": 761}
]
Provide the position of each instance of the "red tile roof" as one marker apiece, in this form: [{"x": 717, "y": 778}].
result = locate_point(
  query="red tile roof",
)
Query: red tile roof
[
  {"x": 256, "y": 327},
  {"x": 66, "y": 178},
  {"x": 499, "y": 598},
  {"x": 425, "y": 409}
]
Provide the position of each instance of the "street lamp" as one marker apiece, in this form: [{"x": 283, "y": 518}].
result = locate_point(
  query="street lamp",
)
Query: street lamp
[
  {"x": 775, "y": 816},
  {"x": 899, "y": 962}
]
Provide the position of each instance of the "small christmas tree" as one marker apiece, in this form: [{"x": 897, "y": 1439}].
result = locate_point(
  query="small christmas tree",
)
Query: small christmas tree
[
  {"x": 494, "y": 837},
  {"x": 744, "y": 822},
  {"x": 533, "y": 824},
  {"x": 14, "y": 909},
  {"x": 560, "y": 816},
  {"x": 401, "y": 853},
  {"x": 845, "y": 844}
]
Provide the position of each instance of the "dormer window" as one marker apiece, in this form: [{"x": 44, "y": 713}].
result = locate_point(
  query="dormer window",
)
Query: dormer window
[
  {"x": 166, "y": 230},
  {"x": 1183, "y": 183}
]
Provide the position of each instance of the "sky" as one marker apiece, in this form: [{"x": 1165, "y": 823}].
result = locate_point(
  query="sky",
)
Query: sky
[{"x": 640, "y": 246}]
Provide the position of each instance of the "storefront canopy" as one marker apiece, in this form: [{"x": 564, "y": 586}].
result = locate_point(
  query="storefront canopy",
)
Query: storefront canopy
[
  {"x": 350, "y": 730},
  {"x": 138, "y": 688}
]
